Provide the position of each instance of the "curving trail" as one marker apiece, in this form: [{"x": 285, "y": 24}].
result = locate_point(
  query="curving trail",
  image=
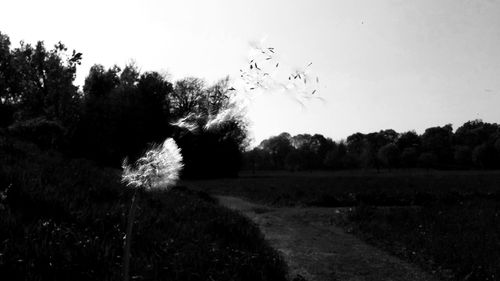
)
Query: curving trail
[{"x": 318, "y": 250}]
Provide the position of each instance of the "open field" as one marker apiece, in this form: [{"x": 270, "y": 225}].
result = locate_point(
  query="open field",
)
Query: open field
[
  {"x": 350, "y": 188},
  {"x": 446, "y": 221}
]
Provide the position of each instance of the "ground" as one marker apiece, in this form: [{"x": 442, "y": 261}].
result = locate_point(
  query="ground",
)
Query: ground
[{"x": 318, "y": 250}]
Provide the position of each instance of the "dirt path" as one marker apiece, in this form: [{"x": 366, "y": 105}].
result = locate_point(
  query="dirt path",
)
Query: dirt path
[{"x": 318, "y": 250}]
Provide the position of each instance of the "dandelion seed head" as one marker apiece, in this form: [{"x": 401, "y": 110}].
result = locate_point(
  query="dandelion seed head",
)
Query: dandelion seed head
[{"x": 159, "y": 168}]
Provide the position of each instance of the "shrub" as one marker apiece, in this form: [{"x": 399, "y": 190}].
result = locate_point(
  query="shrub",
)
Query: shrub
[{"x": 45, "y": 133}]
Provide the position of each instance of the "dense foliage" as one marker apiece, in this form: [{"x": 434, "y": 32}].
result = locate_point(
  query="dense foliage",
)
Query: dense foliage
[
  {"x": 118, "y": 113},
  {"x": 474, "y": 145}
]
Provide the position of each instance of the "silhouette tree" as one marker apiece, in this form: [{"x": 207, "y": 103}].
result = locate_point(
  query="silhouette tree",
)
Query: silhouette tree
[
  {"x": 334, "y": 158},
  {"x": 7, "y": 96},
  {"x": 278, "y": 148},
  {"x": 368, "y": 157},
  {"x": 218, "y": 96},
  {"x": 320, "y": 146},
  {"x": 476, "y": 132},
  {"x": 409, "y": 157},
  {"x": 39, "y": 81},
  {"x": 463, "y": 155},
  {"x": 296, "y": 160},
  {"x": 427, "y": 160},
  {"x": 189, "y": 96},
  {"x": 409, "y": 140},
  {"x": 389, "y": 155},
  {"x": 122, "y": 112},
  {"x": 37, "y": 91},
  {"x": 438, "y": 141},
  {"x": 99, "y": 82},
  {"x": 483, "y": 156}
]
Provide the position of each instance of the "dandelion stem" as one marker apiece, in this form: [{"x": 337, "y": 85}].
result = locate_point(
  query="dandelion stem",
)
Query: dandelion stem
[{"x": 128, "y": 237}]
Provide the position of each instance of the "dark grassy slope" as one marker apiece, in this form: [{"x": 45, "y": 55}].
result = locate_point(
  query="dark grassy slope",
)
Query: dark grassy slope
[
  {"x": 64, "y": 219},
  {"x": 448, "y": 222}
]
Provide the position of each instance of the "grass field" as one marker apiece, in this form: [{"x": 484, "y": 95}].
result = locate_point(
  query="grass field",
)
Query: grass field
[
  {"x": 446, "y": 221},
  {"x": 351, "y": 188},
  {"x": 63, "y": 219}
]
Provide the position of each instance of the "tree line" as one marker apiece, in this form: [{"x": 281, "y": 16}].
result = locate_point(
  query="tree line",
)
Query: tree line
[
  {"x": 474, "y": 145},
  {"x": 118, "y": 113}
]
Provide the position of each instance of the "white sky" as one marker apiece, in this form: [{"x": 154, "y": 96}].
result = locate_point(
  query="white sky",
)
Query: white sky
[{"x": 383, "y": 64}]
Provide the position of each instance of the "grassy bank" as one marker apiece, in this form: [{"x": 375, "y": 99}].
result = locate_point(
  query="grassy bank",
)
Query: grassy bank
[{"x": 64, "y": 219}]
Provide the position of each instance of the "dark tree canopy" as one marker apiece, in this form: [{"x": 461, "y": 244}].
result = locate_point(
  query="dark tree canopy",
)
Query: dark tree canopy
[
  {"x": 38, "y": 82},
  {"x": 118, "y": 113},
  {"x": 475, "y": 145}
]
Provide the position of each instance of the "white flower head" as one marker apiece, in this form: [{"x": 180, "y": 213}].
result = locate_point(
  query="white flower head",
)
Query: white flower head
[{"x": 159, "y": 168}]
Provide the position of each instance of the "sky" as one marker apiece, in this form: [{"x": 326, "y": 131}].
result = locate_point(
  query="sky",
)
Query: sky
[{"x": 404, "y": 65}]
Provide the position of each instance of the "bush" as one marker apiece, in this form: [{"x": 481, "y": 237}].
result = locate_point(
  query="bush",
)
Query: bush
[{"x": 45, "y": 133}]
